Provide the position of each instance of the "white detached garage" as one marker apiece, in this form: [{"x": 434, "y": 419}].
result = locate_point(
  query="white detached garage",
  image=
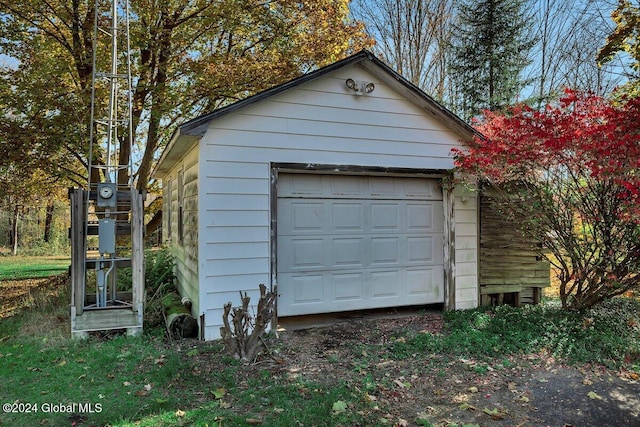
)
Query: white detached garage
[{"x": 338, "y": 194}]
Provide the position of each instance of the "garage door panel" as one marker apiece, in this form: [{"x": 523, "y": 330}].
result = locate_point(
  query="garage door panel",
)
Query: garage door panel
[
  {"x": 422, "y": 189},
  {"x": 340, "y": 187},
  {"x": 431, "y": 290},
  {"x": 425, "y": 217},
  {"x": 381, "y": 284},
  {"x": 362, "y": 187},
  {"x": 422, "y": 250},
  {"x": 307, "y": 289},
  {"x": 385, "y": 251},
  {"x": 386, "y": 188},
  {"x": 385, "y": 216},
  {"x": 306, "y": 217},
  {"x": 348, "y": 286},
  {"x": 307, "y": 253},
  {"x": 301, "y": 185},
  {"x": 354, "y": 247},
  {"x": 347, "y": 252},
  {"x": 346, "y": 216}
]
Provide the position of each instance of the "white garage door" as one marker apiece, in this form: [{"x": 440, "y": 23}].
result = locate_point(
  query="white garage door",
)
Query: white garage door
[{"x": 358, "y": 242}]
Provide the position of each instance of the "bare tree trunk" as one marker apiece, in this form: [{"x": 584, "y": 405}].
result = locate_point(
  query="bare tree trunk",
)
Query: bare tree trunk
[
  {"x": 14, "y": 230},
  {"x": 48, "y": 222}
]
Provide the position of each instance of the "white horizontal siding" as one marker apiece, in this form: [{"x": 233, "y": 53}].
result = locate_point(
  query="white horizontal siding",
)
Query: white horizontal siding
[
  {"x": 367, "y": 117},
  {"x": 224, "y": 251},
  {"x": 221, "y": 185},
  {"x": 377, "y": 135},
  {"x": 319, "y": 122},
  {"x": 237, "y": 234},
  {"x": 234, "y": 218},
  {"x": 234, "y": 202},
  {"x": 239, "y": 266},
  {"x": 466, "y": 248},
  {"x": 239, "y": 169},
  {"x": 185, "y": 254},
  {"x": 323, "y": 154},
  {"x": 318, "y": 144}
]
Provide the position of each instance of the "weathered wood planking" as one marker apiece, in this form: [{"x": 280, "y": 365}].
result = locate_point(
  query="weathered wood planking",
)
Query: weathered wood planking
[{"x": 509, "y": 263}]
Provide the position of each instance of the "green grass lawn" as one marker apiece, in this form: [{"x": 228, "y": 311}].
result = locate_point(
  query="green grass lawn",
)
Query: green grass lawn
[
  {"x": 23, "y": 267},
  {"x": 148, "y": 381}
]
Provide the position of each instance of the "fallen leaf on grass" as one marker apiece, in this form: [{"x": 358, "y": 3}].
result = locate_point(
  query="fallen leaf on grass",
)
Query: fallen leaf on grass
[
  {"x": 466, "y": 407},
  {"x": 180, "y": 414},
  {"x": 594, "y": 395},
  {"x": 339, "y": 407},
  {"x": 385, "y": 364},
  {"x": 494, "y": 413},
  {"x": 401, "y": 384},
  {"x": 473, "y": 389},
  {"x": 219, "y": 393}
]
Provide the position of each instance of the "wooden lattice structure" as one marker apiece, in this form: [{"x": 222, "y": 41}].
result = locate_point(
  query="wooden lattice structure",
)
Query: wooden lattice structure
[{"x": 511, "y": 271}]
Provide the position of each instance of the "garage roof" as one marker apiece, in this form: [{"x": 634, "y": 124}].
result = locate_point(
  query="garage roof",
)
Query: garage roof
[{"x": 188, "y": 133}]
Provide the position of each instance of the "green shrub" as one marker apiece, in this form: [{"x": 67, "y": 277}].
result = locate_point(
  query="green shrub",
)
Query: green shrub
[
  {"x": 608, "y": 333},
  {"x": 158, "y": 277}
]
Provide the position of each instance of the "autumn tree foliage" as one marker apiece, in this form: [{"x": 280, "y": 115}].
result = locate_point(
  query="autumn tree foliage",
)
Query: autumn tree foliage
[
  {"x": 189, "y": 57},
  {"x": 569, "y": 174},
  {"x": 626, "y": 35}
]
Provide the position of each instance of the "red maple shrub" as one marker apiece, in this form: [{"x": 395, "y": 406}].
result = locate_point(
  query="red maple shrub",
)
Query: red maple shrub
[{"x": 569, "y": 174}]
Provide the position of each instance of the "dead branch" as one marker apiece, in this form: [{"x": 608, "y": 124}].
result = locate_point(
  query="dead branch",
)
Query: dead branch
[{"x": 242, "y": 334}]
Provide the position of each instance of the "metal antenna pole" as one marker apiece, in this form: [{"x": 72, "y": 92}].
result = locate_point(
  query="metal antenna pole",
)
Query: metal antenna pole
[
  {"x": 106, "y": 207},
  {"x": 108, "y": 215}
]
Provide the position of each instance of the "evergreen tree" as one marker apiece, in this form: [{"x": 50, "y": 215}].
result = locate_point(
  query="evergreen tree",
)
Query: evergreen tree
[{"x": 491, "y": 43}]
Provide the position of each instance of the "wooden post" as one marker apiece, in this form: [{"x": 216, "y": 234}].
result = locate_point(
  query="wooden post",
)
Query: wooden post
[
  {"x": 137, "y": 249},
  {"x": 537, "y": 295},
  {"x": 449, "y": 244},
  {"x": 273, "y": 229},
  {"x": 78, "y": 200}
]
